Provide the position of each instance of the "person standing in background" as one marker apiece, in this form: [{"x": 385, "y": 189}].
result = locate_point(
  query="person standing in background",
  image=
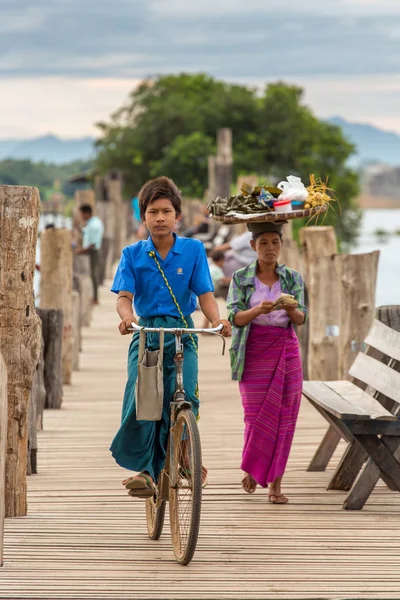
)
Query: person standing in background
[{"x": 92, "y": 231}]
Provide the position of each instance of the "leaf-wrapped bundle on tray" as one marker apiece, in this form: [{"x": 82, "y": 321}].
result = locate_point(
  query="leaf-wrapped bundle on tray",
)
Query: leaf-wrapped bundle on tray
[{"x": 290, "y": 200}]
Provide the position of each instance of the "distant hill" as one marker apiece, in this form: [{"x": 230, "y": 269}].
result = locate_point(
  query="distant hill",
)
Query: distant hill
[
  {"x": 49, "y": 148},
  {"x": 373, "y": 144}
]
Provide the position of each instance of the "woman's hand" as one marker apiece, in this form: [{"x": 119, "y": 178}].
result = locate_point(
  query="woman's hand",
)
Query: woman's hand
[
  {"x": 227, "y": 328},
  {"x": 265, "y": 307},
  {"x": 127, "y": 324},
  {"x": 290, "y": 307}
]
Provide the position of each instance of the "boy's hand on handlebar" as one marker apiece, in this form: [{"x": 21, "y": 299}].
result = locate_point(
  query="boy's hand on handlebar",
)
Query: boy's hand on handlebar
[
  {"x": 227, "y": 328},
  {"x": 126, "y": 324}
]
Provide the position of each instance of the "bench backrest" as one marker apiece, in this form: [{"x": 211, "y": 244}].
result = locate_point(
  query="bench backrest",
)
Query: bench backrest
[
  {"x": 378, "y": 376},
  {"x": 383, "y": 338}
]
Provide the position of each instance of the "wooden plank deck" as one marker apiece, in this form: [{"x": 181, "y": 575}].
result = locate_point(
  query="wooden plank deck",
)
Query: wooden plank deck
[{"x": 85, "y": 538}]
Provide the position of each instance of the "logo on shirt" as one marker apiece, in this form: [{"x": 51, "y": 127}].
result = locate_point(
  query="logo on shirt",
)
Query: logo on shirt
[{"x": 179, "y": 271}]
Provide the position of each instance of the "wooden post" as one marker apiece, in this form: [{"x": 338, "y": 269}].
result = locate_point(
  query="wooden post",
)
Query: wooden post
[
  {"x": 290, "y": 253},
  {"x": 211, "y": 193},
  {"x": 390, "y": 316},
  {"x": 56, "y": 286},
  {"x": 319, "y": 246},
  {"x": 106, "y": 212},
  {"x": 20, "y": 334},
  {"x": 81, "y": 269},
  {"x": 354, "y": 278},
  {"x": 35, "y": 413},
  {"x": 357, "y": 275},
  {"x": 77, "y": 287},
  {"x": 52, "y": 331},
  {"x": 76, "y": 326},
  {"x": 224, "y": 162},
  {"x": 114, "y": 195},
  {"x": 220, "y": 166},
  {"x": 3, "y": 446},
  {"x": 85, "y": 197}
]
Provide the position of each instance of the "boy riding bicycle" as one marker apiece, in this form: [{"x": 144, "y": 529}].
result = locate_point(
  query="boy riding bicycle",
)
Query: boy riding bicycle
[{"x": 162, "y": 276}]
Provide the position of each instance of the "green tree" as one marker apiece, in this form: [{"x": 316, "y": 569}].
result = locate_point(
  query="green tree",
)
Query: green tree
[
  {"x": 169, "y": 125},
  {"x": 185, "y": 159},
  {"x": 160, "y": 110}
]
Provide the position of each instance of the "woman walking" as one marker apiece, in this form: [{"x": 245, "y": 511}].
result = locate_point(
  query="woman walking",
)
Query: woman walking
[{"x": 265, "y": 359}]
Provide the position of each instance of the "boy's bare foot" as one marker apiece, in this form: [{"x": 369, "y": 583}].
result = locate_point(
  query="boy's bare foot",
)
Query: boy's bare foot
[{"x": 249, "y": 484}]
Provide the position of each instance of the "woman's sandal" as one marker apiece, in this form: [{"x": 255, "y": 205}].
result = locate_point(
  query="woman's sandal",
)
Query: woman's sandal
[
  {"x": 251, "y": 489},
  {"x": 140, "y": 486},
  {"x": 278, "y": 499}
]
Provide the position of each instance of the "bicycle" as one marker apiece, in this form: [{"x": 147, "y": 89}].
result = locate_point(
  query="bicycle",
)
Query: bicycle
[{"x": 180, "y": 481}]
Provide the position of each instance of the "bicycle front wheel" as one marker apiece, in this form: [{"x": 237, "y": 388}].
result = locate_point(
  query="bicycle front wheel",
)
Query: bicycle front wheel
[{"x": 185, "y": 489}]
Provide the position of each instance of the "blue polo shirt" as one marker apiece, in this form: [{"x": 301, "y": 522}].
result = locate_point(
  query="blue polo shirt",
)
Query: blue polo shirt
[{"x": 185, "y": 267}]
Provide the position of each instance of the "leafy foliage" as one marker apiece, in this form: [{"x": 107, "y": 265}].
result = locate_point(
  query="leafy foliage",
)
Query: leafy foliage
[
  {"x": 42, "y": 175},
  {"x": 169, "y": 124}
]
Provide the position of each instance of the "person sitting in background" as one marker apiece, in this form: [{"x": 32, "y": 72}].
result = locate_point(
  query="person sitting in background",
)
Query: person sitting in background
[
  {"x": 220, "y": 282},
  {"x": 238, "y": 253},
  {"x": 92, "y": 230}
]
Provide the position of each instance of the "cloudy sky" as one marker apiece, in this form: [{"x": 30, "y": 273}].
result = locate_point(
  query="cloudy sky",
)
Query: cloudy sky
[{"x": 65, "y": 64}]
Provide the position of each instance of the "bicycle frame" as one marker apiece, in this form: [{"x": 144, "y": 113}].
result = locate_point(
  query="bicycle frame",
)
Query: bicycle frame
[{"x": 167, "y": 478}]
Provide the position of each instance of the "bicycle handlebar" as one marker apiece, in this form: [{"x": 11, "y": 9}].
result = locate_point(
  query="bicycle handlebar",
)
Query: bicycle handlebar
[{"x": 175, "y": 329}]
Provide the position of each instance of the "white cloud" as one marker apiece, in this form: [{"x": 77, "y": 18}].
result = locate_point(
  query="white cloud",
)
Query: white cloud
[
  {"x": 58, "y": 55},
  {"x": 66, "y": 106},
  {"x": 70, "y": 106}
]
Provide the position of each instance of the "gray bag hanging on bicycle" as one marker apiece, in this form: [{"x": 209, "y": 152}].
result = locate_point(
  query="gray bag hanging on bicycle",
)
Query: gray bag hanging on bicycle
[{"x": 150, "y": 381}]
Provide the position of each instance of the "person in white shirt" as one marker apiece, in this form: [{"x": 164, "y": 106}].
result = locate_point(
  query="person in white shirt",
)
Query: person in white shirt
[
  {"x": 238, "y": 253},
  {"x": 92, "y": 231}
]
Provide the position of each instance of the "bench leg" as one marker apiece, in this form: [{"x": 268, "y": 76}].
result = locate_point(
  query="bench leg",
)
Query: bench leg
[
  {"x": 341, "y": 431},
  {"x": 368, "y": 478},
  {"x": 348, "y": 468},
  {"x": 325, "y": 450},
  {"x": 381, "y": 452}
]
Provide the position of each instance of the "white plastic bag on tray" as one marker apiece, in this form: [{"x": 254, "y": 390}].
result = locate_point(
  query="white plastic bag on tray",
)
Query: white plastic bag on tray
[{"x": 292, "y": 189}]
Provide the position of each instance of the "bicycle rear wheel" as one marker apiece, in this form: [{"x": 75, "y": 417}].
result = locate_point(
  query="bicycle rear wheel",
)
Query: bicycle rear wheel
[
  {"x": 185, "y": 490},
  {"x": 154, "y": 518}
]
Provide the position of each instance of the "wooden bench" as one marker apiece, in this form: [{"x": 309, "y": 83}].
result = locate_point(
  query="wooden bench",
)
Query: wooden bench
[{"x": 366, "y": 413}]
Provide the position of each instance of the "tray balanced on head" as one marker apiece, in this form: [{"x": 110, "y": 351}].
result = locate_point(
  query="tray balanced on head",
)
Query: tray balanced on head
[
  {"x": 270, "y": 216},
  {"x": 263, "y": 204}
]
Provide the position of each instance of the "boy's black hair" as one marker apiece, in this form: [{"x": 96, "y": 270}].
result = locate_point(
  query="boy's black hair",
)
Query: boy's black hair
[{"x": 160, "y": 188}]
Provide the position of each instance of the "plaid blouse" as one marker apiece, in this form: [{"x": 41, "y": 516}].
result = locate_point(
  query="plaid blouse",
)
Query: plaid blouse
[{"x": 240, "y": 291}]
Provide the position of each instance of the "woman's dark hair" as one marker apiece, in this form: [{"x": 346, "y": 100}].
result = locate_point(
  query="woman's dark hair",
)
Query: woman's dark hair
[
  {"x": 160, "y": 188},
  {"x": 257, "y": 234}
]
